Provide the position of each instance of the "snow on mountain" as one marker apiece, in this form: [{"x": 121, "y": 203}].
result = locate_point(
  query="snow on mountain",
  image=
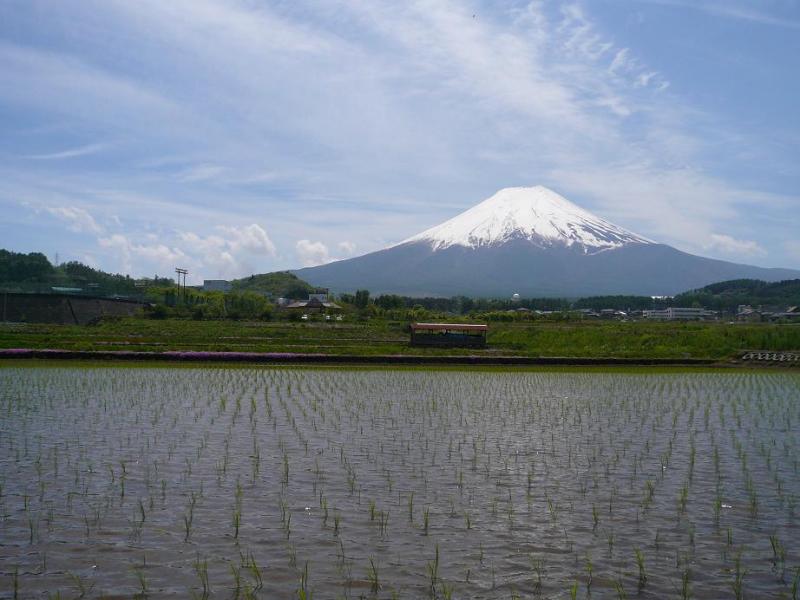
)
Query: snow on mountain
[
  {"x": 536, "y": 214},
  {"x": 533, "y": 242}
]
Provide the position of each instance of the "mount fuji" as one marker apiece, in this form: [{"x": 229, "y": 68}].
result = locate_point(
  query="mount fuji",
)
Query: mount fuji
[{"x": 531, "y": 241}]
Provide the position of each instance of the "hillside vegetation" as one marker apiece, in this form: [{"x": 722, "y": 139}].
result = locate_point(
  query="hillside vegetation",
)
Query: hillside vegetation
[
  {"x": 33, "y": 272},
  {"x": 727, "y": 295},
  {"x": 280, "y": 284}
]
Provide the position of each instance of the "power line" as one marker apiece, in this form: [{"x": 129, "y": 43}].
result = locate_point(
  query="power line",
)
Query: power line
[{"x": 183, "y": 272}]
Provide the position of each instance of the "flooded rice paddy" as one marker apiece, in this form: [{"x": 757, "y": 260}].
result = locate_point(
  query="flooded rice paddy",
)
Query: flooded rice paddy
[{"x": 336, "y": 483}]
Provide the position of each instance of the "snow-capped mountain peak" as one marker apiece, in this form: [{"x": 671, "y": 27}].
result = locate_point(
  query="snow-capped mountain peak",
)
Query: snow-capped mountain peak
[{"x": 536, "y": 214}]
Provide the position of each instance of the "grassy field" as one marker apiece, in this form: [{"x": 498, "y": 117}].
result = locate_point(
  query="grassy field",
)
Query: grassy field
[{"x": 378, "y": 336}]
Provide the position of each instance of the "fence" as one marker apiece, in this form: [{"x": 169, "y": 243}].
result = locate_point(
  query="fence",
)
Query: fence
[{"x": 762, "y": 356}]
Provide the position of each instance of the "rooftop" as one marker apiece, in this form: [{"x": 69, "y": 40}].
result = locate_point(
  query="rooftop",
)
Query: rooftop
[{"x": 450, "y": 326}]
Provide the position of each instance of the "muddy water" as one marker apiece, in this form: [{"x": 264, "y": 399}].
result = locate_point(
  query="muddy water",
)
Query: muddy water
[{"x": 228, "y": 482}]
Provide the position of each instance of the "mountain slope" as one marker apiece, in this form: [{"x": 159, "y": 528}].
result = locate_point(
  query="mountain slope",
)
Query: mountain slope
[{"x": 533, "y": 242}]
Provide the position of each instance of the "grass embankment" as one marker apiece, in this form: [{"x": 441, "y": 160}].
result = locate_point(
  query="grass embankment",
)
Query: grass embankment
[{"x": 376, "y": 337}]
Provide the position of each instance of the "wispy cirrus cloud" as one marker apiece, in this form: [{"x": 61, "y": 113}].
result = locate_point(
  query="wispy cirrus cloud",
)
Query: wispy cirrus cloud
[
  {"x": 751, "y": 12},
  {"x": 362, "y": 121},
  {"x": 77, "y": 219},
  {"x": 69, "y": 153}
]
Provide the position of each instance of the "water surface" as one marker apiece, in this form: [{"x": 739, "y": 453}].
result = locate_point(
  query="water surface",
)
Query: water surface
[{"x": 259, "y": 482}]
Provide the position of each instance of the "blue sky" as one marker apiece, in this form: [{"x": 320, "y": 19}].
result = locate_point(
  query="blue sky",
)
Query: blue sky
[{"x": 240, "y": 136}]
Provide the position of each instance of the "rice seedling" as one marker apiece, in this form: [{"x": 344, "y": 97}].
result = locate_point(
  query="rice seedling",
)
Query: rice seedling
[
  {"x": 619, "y": 588},
  {"x": 236, "y": 572},
  {"x": 717, "y": 506},
  {"x": 641, "y": 567},
  {"x": 237, "y": 519},
  {"x": 79, "y": 582},
  {"x": 686, "y": 590},
  {"x": 446, "y": 591},
  {"x": 738, "y": 580},
  {"x": 373, "y": 576},
  {"x": 249, "y": 562},
  {"x": 683, "y": 499},
  {"x": 384, "y": 522},
  {"x": 778, "y": 553},
  {"x": 537, "y": 564},
  {"x": 589, "y": 571},
  {"x": 303, "y": 593}
]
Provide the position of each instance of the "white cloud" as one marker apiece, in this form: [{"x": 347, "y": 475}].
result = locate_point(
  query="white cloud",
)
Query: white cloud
[
  {"x": 346, "y": 247},
  {"x": 226, "y": 254},
  {"x": 679, "y": 206},
  {"x": 312, "y": 253},
  {"x": 730, "y": 245},
  {"x": 729, "y": 9},
  {"x": 251, "y": 238},
  {"x": 643, "y": 80},
  {"x": 77, "y": 219},
  {"x": 70, "y": 153},
  {"x": 200, "y": 173},
  {"x": 621, "y": 61},
  {"x": 150, "y": 256}
]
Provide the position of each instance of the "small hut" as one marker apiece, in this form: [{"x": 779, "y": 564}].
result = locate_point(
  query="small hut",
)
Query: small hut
[{"x": 449, "y": 335}]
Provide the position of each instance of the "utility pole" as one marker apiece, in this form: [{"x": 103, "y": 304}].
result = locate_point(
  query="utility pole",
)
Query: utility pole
[{"x": 183, "y": 272}]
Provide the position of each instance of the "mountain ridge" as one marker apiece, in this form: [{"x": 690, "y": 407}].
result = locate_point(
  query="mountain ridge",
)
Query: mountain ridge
[{"x": 534, "y": 242}]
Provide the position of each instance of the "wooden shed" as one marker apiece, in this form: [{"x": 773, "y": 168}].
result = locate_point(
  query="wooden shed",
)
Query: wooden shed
[{"x": 449, "y": 335}]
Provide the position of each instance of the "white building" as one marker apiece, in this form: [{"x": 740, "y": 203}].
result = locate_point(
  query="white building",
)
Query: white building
[{"x": 675, "y": 313}]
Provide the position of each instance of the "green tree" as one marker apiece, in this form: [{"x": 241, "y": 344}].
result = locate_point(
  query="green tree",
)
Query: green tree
[
  {"x": 17, "y": 266},
  {"x": 362, "y": 299},
  {"x": 390, "y": 302}
]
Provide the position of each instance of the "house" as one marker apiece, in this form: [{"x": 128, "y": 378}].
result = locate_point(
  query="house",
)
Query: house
[
  {"x": 792, "y": 313},
  {"x": 745, "y": 312},
  {"x": 314, "y": 305},
  {"x": 675, "y": 313},
  {"x": 612, "y": 313}
]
